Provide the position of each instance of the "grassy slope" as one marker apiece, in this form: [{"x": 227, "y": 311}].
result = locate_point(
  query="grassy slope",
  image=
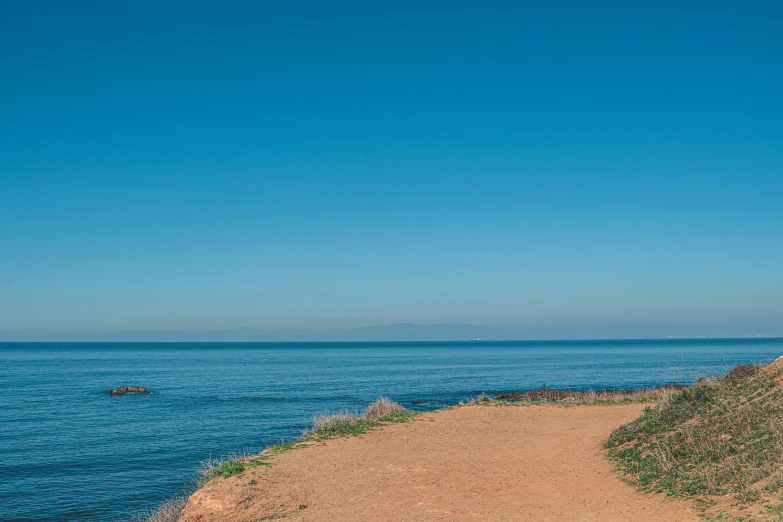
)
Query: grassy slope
[{"x": 720, "y": 442}]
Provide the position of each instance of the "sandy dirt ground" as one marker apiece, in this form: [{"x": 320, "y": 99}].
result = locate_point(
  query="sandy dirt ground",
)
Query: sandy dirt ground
[{"x": 475, "y": 463}]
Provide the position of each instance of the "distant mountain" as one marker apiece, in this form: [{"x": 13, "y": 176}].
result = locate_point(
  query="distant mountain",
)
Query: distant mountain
[
  {"x": 393, "y": 332},
  {"x": 402, "y": 332},
  {"x": 423, "y": 332}
]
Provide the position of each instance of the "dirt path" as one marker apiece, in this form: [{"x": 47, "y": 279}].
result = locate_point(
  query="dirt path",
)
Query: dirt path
[{"x": 477, "y": 463}]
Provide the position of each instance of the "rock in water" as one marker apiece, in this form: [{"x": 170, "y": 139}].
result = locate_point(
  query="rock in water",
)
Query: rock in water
[{"x": 122, "y": 390}]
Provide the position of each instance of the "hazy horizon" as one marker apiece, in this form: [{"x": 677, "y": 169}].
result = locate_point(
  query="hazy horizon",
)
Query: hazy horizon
[{"x": 403, "y": 332}]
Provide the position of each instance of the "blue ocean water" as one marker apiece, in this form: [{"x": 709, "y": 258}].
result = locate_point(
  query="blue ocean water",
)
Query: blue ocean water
[{"x": 72, "y": 453}]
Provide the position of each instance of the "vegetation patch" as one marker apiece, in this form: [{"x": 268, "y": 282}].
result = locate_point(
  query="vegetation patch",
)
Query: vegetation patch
[
  {"x": 325, "y": 426},
  {"x": 344, "y": 424},
  {"x": 720, "y": 442},
  {"x": 581, "y": 397},
  {"x": 229, "y": 467},
  {"x": 608, "y": 396},
  {"x": 486, "y": 400}
]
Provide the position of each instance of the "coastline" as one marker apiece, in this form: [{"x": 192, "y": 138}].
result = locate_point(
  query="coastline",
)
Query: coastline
[
  {"x": 482, "y": 461},
  {"x": 710, "y": 450},
  {"x": 377, "y": 416},
  {"x": 205, "y": 411}
]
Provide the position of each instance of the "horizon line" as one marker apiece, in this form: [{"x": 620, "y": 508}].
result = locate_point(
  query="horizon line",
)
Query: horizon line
[{"x": 431, "y": 341}]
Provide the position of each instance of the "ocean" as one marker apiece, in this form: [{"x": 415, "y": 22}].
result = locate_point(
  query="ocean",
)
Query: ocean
[{"x": 72, "y": 453}]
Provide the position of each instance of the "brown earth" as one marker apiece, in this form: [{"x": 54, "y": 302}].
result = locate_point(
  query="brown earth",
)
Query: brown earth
[{"x": 476, "y": 463}]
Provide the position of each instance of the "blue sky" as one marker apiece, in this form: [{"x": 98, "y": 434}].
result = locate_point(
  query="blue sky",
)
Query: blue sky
[{"x": 332, "y": 164}]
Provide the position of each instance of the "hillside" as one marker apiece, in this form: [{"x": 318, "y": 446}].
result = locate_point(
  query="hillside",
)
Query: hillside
[{"x": 719, "y": 443}]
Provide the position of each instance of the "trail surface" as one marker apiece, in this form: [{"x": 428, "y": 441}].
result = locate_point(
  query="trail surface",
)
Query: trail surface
[{"x": 476, "y": 463}]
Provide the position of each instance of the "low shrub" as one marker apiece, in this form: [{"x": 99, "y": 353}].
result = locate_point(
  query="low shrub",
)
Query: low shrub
[
  {"x": 382, "y": 407},
  {"x": 345, "y": 423}
]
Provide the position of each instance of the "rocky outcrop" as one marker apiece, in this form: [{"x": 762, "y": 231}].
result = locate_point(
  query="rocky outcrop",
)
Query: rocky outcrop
[{"x": 124, "y": 390}]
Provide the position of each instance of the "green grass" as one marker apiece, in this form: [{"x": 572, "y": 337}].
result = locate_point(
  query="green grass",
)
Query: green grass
[
  {"x": 357, "y": 426},
  {"x": 225, "y": 469},
  {"x": 722, "y": 439}
]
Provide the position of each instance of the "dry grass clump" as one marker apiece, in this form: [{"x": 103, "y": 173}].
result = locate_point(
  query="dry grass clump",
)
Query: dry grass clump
[
  {"x": 721, "y": 440},
  {"x": 323, "y": 419},
  {"x": 382, "y": 407},
  {"x": 169, "y": 511},
  {"x": 343, "y": 423}
]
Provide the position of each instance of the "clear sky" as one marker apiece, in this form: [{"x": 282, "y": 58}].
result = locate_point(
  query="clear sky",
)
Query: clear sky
[{"x": 202, "y": 165}]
